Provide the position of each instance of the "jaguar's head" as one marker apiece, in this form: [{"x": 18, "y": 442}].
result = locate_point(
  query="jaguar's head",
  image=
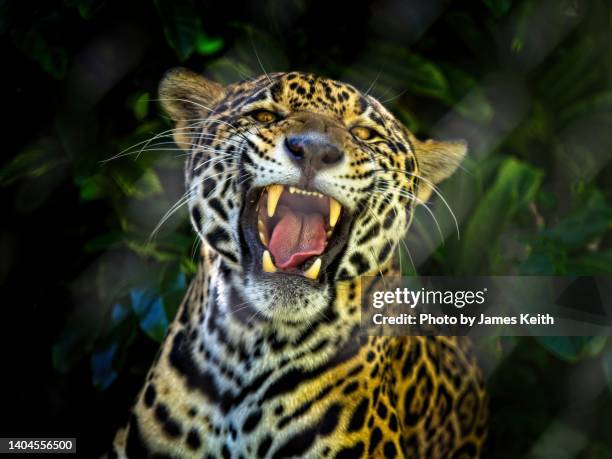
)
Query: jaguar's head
[{"x": 299, "y": 182}]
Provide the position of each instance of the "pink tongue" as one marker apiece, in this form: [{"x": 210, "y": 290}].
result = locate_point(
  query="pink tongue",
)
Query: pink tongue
[{"x": 297, "y": 237}]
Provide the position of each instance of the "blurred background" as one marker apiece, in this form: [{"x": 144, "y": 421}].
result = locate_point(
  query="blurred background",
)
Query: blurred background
[{"x": 90, "y": 280}]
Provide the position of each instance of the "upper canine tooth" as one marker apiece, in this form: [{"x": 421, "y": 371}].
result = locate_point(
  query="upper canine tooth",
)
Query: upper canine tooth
[
  {"x": 267, "y": 264},
  {"x": 274, "y": 194},
  {"x": 334, "y": 211},
  {"x": 313, "y": 271},
  {"x": 292, "y": 189}
]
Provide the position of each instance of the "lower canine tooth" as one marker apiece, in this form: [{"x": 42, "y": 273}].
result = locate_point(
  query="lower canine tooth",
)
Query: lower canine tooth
[
  {"x": 313, "y": 271},
  {"x": 267, "y": 264}
]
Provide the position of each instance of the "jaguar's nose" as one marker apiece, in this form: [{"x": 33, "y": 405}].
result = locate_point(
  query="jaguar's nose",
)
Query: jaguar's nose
[{"x": 312, "y": 150}]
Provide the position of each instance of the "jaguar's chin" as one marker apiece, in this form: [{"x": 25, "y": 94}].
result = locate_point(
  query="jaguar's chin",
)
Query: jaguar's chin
[{"x": 294, "y": 240}]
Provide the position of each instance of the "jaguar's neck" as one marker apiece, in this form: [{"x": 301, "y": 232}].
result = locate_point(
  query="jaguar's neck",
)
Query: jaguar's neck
[{"x": 226, "y": 334}]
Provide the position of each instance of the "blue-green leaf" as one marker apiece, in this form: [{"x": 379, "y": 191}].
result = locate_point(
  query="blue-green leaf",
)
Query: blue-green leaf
[
  {"x": 573, "y": 348},
  {"x": 103, "y": 373},
  {"x": 151, "y": 313},
  {"x": 155, "y": 322}
]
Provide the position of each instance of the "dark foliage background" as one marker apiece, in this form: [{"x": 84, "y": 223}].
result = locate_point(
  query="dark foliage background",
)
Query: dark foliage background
[{"x": 87, "y": 293}]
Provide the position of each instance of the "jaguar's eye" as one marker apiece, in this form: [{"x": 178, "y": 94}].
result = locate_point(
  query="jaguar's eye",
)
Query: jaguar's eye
[
  {"x": 363, "y": 133},
  {"x": 264, "y": 116}
]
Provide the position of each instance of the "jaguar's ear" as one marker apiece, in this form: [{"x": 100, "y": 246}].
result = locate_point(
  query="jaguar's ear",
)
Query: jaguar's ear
[
  {"x": 187, "y": 97},
  {"x": 437, "y": 161}
]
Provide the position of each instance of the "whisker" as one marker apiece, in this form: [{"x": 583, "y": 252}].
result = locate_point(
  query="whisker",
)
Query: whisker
[
  {"x": 409, "y": 195},
  {"x": 372, "y": 84},
  {"x": 434, "y": 189},
  {"x": 259, "y": 60},
  {"x": 205, "y": 120},
  {"x": 194, "y": 248},
  {"x": 121, "y": 153},
  {"x": 184, "y": 199}
]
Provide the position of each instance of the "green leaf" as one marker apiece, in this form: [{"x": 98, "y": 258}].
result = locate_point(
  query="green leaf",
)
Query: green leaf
[
  {"x": 227, "y": 70},
  {"x": 145, "y": 186},
  {"x": 53, "y": 59},
  {"x": 206, "y": 45},
  {"x": 591, "y": 264},
  {"x": 104, "y": 242},
  {"x": 592, "y": 218},
  {"x": 253, "y": 53},
  {"x": 573, "y": 73},
  {"x": 515, "y": 186},
  {"x": 573, "y": 348},
  {"x": 498, "y": 7},
  {"x": 183, "y": 29},
  {"x": 466, "y": 96},
  {"x": 401, "y": 70},
  {"x": 181, "y": 26},
  {"x": 78, "y": 134},
  {"x": 95, "y": 187},
  {"x": 421, "y": 76},
  {"x": 172, "y": 286},
  {"x": 408, "y": 118},
  {"x": 87, "y": 8},
  {"x": 469, "y": 29},
  {"x": 599, "y": 102},
  {"x": 150, "y": 250},
  {"x": 140, "y": 105},
  {"x": 34, "y": 161}
]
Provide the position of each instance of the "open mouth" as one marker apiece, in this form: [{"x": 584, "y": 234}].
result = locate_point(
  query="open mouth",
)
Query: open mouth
[{"x": 298, "y": 232}]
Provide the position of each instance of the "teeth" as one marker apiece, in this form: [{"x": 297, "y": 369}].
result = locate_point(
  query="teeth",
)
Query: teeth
[
  {"x": 334, "y": 211},
  {"x": 293, "y": 190},
  {"x": 261, "y": 227},
  {"x": 267, "y": 264},
  {"x": 313, "y": 271},
  {"x": 274, "y": 194}
]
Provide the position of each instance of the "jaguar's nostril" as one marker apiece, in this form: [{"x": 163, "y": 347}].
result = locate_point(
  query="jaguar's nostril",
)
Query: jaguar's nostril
[
  {"x": 295, "y": 146},
  {"x": 331, "y": 155}
]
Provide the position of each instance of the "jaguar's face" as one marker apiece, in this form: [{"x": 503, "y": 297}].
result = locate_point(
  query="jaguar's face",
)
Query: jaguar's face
[{"x": 299, "y": 182}]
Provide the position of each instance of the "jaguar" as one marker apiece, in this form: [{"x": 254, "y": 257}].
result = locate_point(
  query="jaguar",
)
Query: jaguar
[{"x": 300, "y": 189}]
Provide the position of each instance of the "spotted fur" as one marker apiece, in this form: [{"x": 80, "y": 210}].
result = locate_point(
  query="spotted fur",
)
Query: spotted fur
[{"x": 257, "y": 365}]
